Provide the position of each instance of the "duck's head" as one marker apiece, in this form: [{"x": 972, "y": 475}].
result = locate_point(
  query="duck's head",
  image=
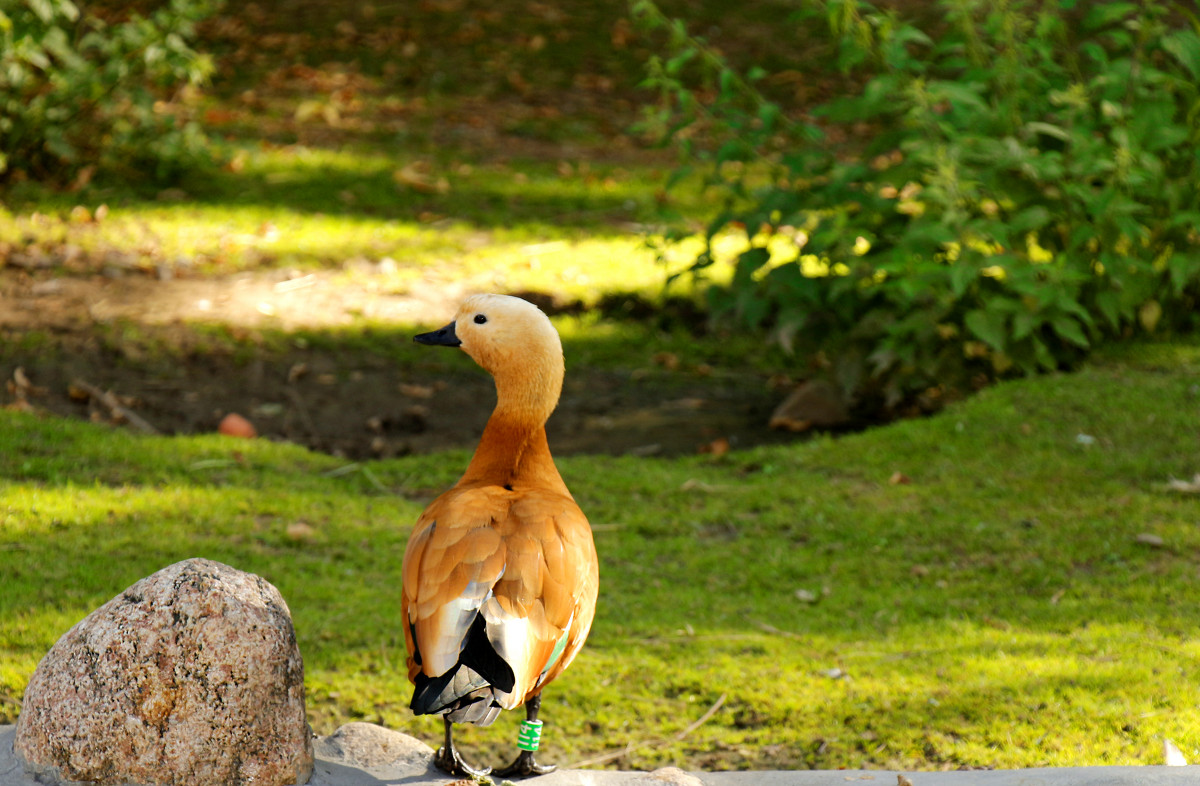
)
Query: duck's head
[{"x": 513, "y": 340}]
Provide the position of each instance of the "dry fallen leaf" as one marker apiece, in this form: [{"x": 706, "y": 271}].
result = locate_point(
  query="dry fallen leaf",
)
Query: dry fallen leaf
[
  {"x": 1185, "y": 486},
  {"x": 899, "y": 479},
  {"x": 299, "y": 530},
  {"x": 668, "y": 360},
  {"x": 418, "y": 175},
  {"x": 23, "y": 387},
  {"x": 416, "y": 391},
  {"x": 718, "y": 447},
  {"x": 783, "y": 423},
  {"x": 297, "y": 371},
  {"x": 691, "y": 484}
]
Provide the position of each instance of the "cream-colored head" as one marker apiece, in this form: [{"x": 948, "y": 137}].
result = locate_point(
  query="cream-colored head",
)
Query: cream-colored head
[
  {"x": 514, "y": 341},
  {"x": 504, "y": 333}
]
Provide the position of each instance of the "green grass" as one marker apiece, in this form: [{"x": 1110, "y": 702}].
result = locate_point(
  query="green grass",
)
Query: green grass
[{"x": 998, "y": 610}]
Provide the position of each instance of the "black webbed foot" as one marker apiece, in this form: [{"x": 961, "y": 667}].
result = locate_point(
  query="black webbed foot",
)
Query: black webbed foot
[
  {"x": 453, "y": 764},
  {"x": 448, "y": 760},
  {"x": 525, "y": 766}
]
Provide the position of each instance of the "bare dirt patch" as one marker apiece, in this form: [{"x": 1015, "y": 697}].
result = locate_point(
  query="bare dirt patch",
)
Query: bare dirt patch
[{"x": 351, "y": 402}]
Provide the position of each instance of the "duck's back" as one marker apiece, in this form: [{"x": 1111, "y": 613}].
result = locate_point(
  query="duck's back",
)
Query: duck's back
[{"x": 499, "y": 593}]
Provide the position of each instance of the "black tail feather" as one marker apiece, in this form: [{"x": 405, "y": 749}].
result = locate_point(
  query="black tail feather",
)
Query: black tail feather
[{"x": 473, "y": 702}]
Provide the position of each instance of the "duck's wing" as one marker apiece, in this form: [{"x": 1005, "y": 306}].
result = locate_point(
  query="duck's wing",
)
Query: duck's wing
[
  {"x": 453, "y": 559},
  {"x": 542, "y": 606},
  {"x": 523, "y": 565}
]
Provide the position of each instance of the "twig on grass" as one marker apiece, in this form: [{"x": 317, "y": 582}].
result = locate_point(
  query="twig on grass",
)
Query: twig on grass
[
  {"x": 302, "y": 411},
  {"x": 700, "y": 721},
  {"x": 117, "y": 410},
  {"x": 356, "y": 467},
  {"x": 769, "y": 628},
  {"x": 656, "y": 743}
]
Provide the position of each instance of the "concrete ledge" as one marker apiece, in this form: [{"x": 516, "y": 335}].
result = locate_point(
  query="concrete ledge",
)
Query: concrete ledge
[{"x": 372, "y": 756}]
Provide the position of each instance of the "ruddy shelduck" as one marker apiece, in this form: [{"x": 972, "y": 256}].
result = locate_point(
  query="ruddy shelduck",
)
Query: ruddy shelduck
[{"x": 500, "y": 573}]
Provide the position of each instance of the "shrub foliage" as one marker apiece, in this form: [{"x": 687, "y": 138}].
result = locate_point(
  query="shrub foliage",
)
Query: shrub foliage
[
  {"x": 77, "y": 91},
  {"x": 998, "y": 194}
]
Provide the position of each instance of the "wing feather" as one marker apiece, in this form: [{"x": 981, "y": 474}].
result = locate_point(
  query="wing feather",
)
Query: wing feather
[{"x": 449, "y": 569}]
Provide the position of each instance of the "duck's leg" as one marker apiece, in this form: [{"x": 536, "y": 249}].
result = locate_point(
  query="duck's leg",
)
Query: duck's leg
[
  {"x": 448, "y": 760},
  {"x": 525, "y": 765}
]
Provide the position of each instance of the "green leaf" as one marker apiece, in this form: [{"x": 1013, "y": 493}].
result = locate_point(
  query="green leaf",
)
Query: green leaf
[
  {"x": 962, "y": 276},
  {"x": 987, "y": 326},
  {"x": 1104, "y": 14},
  {"x": 1109, "y": 305},
  {"x": 1023, "y": 324},
  {"x": 43, "y": 8},
  {"x": 1068, "y": 329},
  {"x": 1030, "y": 219},
  {"x": 964, "y": 97},
  {"x": 727, "y": 80},
  {"x": 676, "y": 64},
  {"x": 1184, "y": 269},
  {"x": 1044, "y": 358},
  {"x": 1184, "y": 46},
  {"x": 1048, "y": 129},
  {"x": 768, "y": 114}
]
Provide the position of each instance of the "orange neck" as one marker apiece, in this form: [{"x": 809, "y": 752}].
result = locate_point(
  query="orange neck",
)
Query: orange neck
[{"x": 513, "y": 452}]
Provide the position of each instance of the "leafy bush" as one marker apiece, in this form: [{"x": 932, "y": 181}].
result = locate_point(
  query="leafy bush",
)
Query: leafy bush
[
  {"x": 79, "y": 92},
  {"x": 997, "y": 195}
]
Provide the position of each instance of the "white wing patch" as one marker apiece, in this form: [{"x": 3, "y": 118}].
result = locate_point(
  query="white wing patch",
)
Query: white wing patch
[
  {"x": 442, "y": 653},
  {"x": 509, "y": 635}
]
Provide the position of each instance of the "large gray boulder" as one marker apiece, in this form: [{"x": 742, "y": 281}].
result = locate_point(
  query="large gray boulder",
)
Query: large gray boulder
[{"x": 192, "y": 677}]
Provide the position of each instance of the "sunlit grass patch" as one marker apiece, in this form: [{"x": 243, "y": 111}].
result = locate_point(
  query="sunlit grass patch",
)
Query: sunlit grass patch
[{"x": 570, "y": 228}]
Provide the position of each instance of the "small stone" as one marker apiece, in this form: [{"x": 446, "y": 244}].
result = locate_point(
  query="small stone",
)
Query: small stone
[
  {"x": 191, "y": 677},
  {"x": 815, "y": 404},
  {"x": 234, "y": 425},
  {"x": 806, "y": 596},
  {"x": 368, "y": 745}
]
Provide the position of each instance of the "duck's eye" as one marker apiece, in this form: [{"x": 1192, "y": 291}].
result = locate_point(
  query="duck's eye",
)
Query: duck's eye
[{"x": 480, "y": 319}]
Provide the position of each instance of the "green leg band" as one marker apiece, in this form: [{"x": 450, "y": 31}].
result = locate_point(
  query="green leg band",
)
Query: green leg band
[{"x": 530, "y": 736}]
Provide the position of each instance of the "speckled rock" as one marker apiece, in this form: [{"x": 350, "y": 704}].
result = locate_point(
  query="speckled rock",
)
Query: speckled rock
[
  {"x": 368, "y": 745},
  {"x": 191, "y": 676}
]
